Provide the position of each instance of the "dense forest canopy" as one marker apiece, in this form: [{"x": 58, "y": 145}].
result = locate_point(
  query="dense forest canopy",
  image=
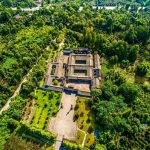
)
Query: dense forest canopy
[
  {"x": 18, "y": 3},
  {"x": 122, "y": 2},
  {"x": 121, "y": 105}
]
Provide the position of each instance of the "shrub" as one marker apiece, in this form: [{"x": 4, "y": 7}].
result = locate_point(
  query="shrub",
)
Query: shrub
[
  {"x": 90, "y": 129},
  {"x": 71, "y": 146},
  {"x": 81, "y": 114},
  {"x": 37, "y": 133},
  {"x": 57, "y": 103},
  {"x": 55, "y": 82},
  {"x": 12, "y": 123},
  {"x": 129, "y": 91},
  {"x": 76, "y": 116},
  {"x": 50, "y": 96},
  {"x": 141, "y": 69},
  {"x": 88, "y": 120},
  {"x": 46, "y": 104},
  {"x": 76, "y": 107}
]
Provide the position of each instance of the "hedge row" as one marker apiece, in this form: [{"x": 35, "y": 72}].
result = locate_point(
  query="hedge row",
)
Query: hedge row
[
  {"x": 71, "y": 146},
  {"x": 37, "y": 133}
]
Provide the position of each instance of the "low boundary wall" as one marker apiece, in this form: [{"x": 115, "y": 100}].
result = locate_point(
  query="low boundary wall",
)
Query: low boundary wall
[
  {"x": 62, "y": 89},
  {"x": 52, "y": 88}
]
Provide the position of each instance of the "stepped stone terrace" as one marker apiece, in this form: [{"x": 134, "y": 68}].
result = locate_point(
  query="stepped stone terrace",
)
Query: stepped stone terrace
[{"x": 76, "y": 69}]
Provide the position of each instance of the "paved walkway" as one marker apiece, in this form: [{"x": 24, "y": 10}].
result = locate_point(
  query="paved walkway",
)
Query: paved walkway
[
  {"x": 85, "y": 134},
  {"x": 63, "y": 124},
  {"x": 58, "y": 142}
]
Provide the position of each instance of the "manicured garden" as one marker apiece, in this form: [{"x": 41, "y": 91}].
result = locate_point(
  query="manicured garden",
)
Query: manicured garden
[
  {"x": 46, "y": 105},
  {"x": 85, "y": 121},
  {"x": 80, "y": 137}
]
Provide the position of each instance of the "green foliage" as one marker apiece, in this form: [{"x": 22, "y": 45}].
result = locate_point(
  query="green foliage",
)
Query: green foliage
[
  {"x": 118, "y": 113},
  {"x": 104, "y": 116},
  {"x": 55, "y": 82},
  {"x": 116, "y": 76},
  {"x": 8, "y": 119},
  {"x": 24, "y": 3},
  {"x": 141, "y": 69},
  {"x": 121, "y": 37},
  {"x": 24, "y": 50},
  {"x": 100, "y": 147},
  {"x": 16, "y": 142},
  {"x": 46, "y": 107},
  {"x": 37, "y": 133},
  {"x": 13, "y": 124},
  {"x": 72, "y": 146},
  {"x": 96, "y": 94},
  {"x": 85, "y": 121},
  {"x": 80, "y": 137},
  {"x": 129, "y": 91}
]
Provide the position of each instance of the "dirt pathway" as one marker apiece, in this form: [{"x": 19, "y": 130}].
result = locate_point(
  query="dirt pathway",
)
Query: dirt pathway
[{"x": 6, "y": 106}]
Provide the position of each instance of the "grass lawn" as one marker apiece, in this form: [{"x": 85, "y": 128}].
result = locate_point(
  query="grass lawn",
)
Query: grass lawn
[
  {"x": 85, "y": 121},
  {"x": 89, "y": 140},
  {"x": 80, "y": 137},
  {"x": 8, "y": 63},
  {"x": 47, "y": 104},
  {"x": 49, "y": 148}
]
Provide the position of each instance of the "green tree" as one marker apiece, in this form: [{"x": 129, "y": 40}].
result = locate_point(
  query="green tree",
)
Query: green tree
[
  {"x": 120, "y": 48},
  {"x": 141, "y": 69},
  {"x": 55, "y": 82},
  {"x": 142, "y": 34},
  {"x": 133, "y": 53},
  {"x": 130, "y": 35},
  {"x": 125, "y": 63},
  {"x": 129, "y": 91},
  {"x": 96, "y": 94}
]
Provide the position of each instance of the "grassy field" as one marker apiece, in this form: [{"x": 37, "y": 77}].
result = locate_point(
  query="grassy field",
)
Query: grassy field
[
  {"x": 46, "y": 105},
  {"x": 85, "y": 121}
]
